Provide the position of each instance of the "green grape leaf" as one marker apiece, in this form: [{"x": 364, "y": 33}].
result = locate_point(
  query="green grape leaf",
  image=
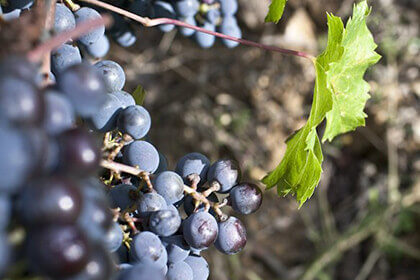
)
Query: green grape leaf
[
  {"x": 275, "y": 11},
  {"x": 339, "y": 95},
  {"x": 139, "y": 95}
]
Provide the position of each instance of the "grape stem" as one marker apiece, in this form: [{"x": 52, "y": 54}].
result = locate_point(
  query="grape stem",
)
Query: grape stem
[
  {"x": 37, "y": 54},
  {"x": 198, "y": 197},
  {"x": 49, "y": 22},
  {"x": 147, "y": 22}
]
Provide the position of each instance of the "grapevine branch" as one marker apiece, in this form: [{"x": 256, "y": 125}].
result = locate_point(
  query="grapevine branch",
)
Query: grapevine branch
[
  {"x": 200, "y": 198},
  {"x": 37, "y": 54},
  {"x": 49, "y": 22},
  {"x": 147, "y": 22}
]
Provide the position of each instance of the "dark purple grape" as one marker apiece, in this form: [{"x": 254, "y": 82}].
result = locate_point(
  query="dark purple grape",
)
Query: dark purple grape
[
  {"x": 51, "y": 200},
  {"x": 165, "y": 222},
  {"x": 59, "y": 113},
  {"x": 105, "y": 119},
  {"x": 141, "y": 154},
  {"x": 114, "y": 238},
  {"x": 134, "y": 121},
  {"x": 149, "y": 203},
  {"x": 232, "y": 236},
  {"x": 95, "y": 218},
  {"x": 20, "y": 101},
  {"x": 200, "y": 230},
  {"x": 170, "y": 186},
  {"x": 226, "y": 172},
  {"x": 193, "y": 163},
  {"x": 57, "y": 251},
  {"x": 179, "y": 271},
  {"x": 147, "y": 249},
  {"x": 123, "y": 196},
  {"x": 100, "y": 266},
  {"x": 79, "y": 151},
  {"x": 245, "y": 198}
]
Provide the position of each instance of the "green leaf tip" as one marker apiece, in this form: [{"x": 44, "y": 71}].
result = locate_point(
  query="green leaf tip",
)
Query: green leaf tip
[
  {"x": 340, "y": 95},
  {"x": 275, "y": 11},
  {"x": 139, "y": 94}
]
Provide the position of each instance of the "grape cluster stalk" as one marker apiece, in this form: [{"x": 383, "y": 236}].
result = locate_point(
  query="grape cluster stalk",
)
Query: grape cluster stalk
[{"x": 84, "y": 192}]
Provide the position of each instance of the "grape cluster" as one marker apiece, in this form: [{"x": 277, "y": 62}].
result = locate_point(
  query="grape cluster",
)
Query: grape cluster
[
  {"x": 213, "y": 15},
  {"x": 66, "y": 217}
]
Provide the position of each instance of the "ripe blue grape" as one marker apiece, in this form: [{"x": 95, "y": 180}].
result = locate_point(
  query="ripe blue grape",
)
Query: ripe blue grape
[
  {"x": 64, "y": 19},
  {"x": 63, "y": 57},
  {"x": 199, "y": 267},
  {"x": 93, "y": 189},
  {"x": 51, "y": 200},
  {"x": 114, "y": 238},
  {"x": 228, "y": 7},
  {"x": 177, "y": 248},
  {"x": 230, "y": 27},
  {"x": 59, "y": 113},
  {"x": 205, "y": 40},
  {"x": 146, "y": 248},
  {"x": 226, "y": 173},
  {"x": 232, "y": 236},
  {"x": 165, "y": 222},
  {"x": 144, "y": 272},
  {"x": 95, "y": 218},
  {"x": 170, "y": 186},
  {"x": 163, "y": 9},
  {"x": 149, "y": 203},
  {"x": 20, "y": 101},
  {"x": 193, "y": 163},
  {"x": 134, "y": 121},
  {"x": 213, "y": 16},
  {"x": 141, "y": 154},
  {"x": 125, "y": 98},
  {"x": 179, "y": 271},
  {"x": 187, "y": 8},
  {"x": 105, "y": 119},
  {"x": 11, "y": 15},
  {"x": 17, "y": 168},
  {"x": 58, "y": 251},
  {"x": 100, "y": 48},
  {"x": 123, "y": 196},
  {"x": 200, "y": 230},
  {"x": 187, "y": 32},
  {"x": 84, "y": 87},
  {"x": 245, "y": 198},
  {"x": 86, "y": 14},
  {"x": 112, "y": 73}
]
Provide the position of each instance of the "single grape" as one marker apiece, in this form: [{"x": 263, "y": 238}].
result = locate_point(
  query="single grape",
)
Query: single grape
[
  {"x": 200, "y": 230},
  {"x": 63, "y": 57},
  {"x": 51, "y": 200},
  {"x": 64, "y": 19},
  {"x": 86, "y": 14},
  {"x": 230, "y": 27},
  {"x": 100, "y": 48},
  {"x": 245, "y": 198},
  {"x": 147, "y": 249},
  {"x": 57, "y": 251},
  {"x": 105, "y": 119},
  {"x": 20, "y": 101},
  {"x": 226, "y": 173},
  {"x": 141, "y": 154},
  {"x": 228, "y": 7},
  {"x": 5, "y": 210},
  {"x": 100, "y": 266},
  {"x": 51, "y": 158},
  {"x": 84, "y": 87},
  {"x": 125, "y": 98},
  {"x": 95, "y": 218},
  {"x": 179, "y": 271},
  {"x": 187, "y": 32},
  {"x": 11, "y": 15},
  {"x": 165, "y": 222},
  {"x": 187, "y": 8},
  {"x": 114, "y": 238},
  {"x": 144, "y": 272},
  {"x": 93, "y": 189},
  {"x": 79, "y": 151},
  {"x": 205, "y": 40},
  {"x": 134, "y": 121},
  {"x": 232, "y": 236},
  {"x": 19, "y": 67},
  {"x": 112, "y": 73},
  {"x": 199, "y": 267},
  {"x": 177, "y": 248},
  {"x": 193, "y": 163},
  {"x": 149, "y": 203},
  {"x": 163, "y": 9},
  {"x": 169, "y": 185},
  {"x": 126, "y": 38},
  {"x": 123, "y": 196},
  {"x": 17, "y": 168},
  {"x": 59, "y": 113}
]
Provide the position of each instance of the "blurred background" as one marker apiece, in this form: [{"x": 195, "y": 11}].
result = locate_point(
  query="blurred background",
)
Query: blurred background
[{"x": 363, "y": 221}]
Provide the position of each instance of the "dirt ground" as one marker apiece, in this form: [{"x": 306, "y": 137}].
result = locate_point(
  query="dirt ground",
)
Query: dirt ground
[{"x": 363, "y": 220}]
